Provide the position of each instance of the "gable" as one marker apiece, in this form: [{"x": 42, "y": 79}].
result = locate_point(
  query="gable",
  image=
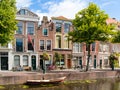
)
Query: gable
[{"x": 26, "y": 12}]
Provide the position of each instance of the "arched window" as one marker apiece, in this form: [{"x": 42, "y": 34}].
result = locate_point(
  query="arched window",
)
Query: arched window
[
  {"x": 66, "y": 43},
  {"x": 25, "y": 60},
  {"x": 58, "y": 41},
  {"x": 16, "y": 60}
]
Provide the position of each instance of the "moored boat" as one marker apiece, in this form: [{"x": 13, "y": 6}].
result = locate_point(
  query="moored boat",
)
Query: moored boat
[{"x": 49, "y": 81}]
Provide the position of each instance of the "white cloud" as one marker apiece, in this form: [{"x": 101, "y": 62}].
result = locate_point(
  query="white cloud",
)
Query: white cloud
[
  {"x": 66, "y": 8},
  {"x": 23, "y": 3}
]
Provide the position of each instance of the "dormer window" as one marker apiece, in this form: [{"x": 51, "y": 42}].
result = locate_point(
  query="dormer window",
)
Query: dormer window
[{"x": 23, "y": 12}]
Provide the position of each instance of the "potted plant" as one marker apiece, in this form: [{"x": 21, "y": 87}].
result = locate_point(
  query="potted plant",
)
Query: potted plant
[{"x": 46, "y": 56}]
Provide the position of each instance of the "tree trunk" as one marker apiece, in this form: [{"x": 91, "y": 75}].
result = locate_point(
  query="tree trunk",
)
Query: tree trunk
[{"x": 88, "y": 59}]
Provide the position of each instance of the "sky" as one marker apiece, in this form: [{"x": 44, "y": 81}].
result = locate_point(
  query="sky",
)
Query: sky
[{"x": 68, "y": 8}]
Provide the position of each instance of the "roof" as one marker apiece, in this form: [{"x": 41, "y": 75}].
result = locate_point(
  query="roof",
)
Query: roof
[
  {"x": 25, "y": 11},
  {"x": 111, "y": 21},
  {"x": 61, "y": 18}
]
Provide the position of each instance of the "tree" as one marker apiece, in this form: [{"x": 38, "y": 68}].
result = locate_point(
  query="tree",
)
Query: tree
[
  {"x": 7, "y": 20},
  {"x": 57, "y": 57},
  {"x": 90, "y": 26},
  {"x": 116, "y": 38},
  {"x": 112, "y": 58}
]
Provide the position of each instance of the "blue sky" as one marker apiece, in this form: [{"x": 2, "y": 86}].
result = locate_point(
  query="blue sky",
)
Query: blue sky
[{"x": 68, "y": 8}]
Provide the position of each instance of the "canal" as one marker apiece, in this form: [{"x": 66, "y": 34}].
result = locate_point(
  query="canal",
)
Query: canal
[{"x": 101, "y": 84}]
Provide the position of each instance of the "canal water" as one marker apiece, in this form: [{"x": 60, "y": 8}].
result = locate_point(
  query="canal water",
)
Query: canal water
[{"x": 101, "y": 84}]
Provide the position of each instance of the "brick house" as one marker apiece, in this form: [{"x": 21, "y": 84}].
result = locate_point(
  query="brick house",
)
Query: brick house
[
  {"x": 44, "y": 42},
  {"x": 100, "y": 51},
  {"x": 24, "y": 44},
  {"x": 62, "y": 26},
  {"x": 52, "y": 37}
]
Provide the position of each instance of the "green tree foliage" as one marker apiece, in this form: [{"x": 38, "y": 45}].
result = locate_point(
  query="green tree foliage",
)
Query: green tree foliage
[
  {"x": 116, "y": 38},
  {"x": 113, "y": 60},
  {"x": 57, "y": 57},
  {"x": 90, "y": 26},
  {"x": 7, "y": 20}
]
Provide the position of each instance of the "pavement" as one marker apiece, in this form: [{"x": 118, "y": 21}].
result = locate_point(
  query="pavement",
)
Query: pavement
[{"x": 17, "y": 73}]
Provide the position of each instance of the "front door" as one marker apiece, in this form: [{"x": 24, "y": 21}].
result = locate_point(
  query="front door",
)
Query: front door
[
  {"x": 4, "y": 63},
  {"x": 34, "y": 62},
  {"x": 94, "y": 63},
  {"x": 68, "y": 63}
]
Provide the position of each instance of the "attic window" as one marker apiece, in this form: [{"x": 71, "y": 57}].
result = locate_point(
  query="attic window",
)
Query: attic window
[{"x": 23, "y": 12}]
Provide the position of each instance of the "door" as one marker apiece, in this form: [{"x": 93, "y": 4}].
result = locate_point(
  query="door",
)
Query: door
[
  {"x": 4, "y": 63},
  {"x": 94, "y": 63},
  {"x": 68, "y": 63},
  {"x": 81, "y": 64},
  {"x": 34, "y": 62},
  {"x": 41, "y": 64}
]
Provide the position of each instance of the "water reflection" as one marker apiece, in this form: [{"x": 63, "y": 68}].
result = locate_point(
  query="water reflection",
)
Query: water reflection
[{"x": 109, "y": 84}]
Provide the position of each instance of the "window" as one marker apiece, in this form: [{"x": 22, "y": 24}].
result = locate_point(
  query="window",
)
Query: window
[
  {"x": 93, "y": 46},
  {"x": 20, "y": 28},
  {"x": 58, "y": 41},
  {"x": 16, "y": 60},
  {"x": 48, "y": 62},
  {"x": 31, "y": 45},
  {"x": 41, "y": 44},
  {"x": 19, "y": 45},
  {"x": 22, "y": 12},
  {"x": 58, "y": 27},
  {"x": 66, "y": 28},
  {"x": 30, "y": 28},
  {"x": 25, "y": 60},
  {"x": 62, "y": 60},
  {"x": 66, "y": 42},
  {"x": 104, "y": 47},
  {"x": 77, "y": 47},
  {"x": 48, "y": 44},
  {"x": 45, "y": 32},
  {"x": 106, "y": 60}
]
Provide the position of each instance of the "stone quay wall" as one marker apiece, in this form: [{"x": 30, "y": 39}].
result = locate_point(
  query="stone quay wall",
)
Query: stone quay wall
[{"x": 9, "y": 78}]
